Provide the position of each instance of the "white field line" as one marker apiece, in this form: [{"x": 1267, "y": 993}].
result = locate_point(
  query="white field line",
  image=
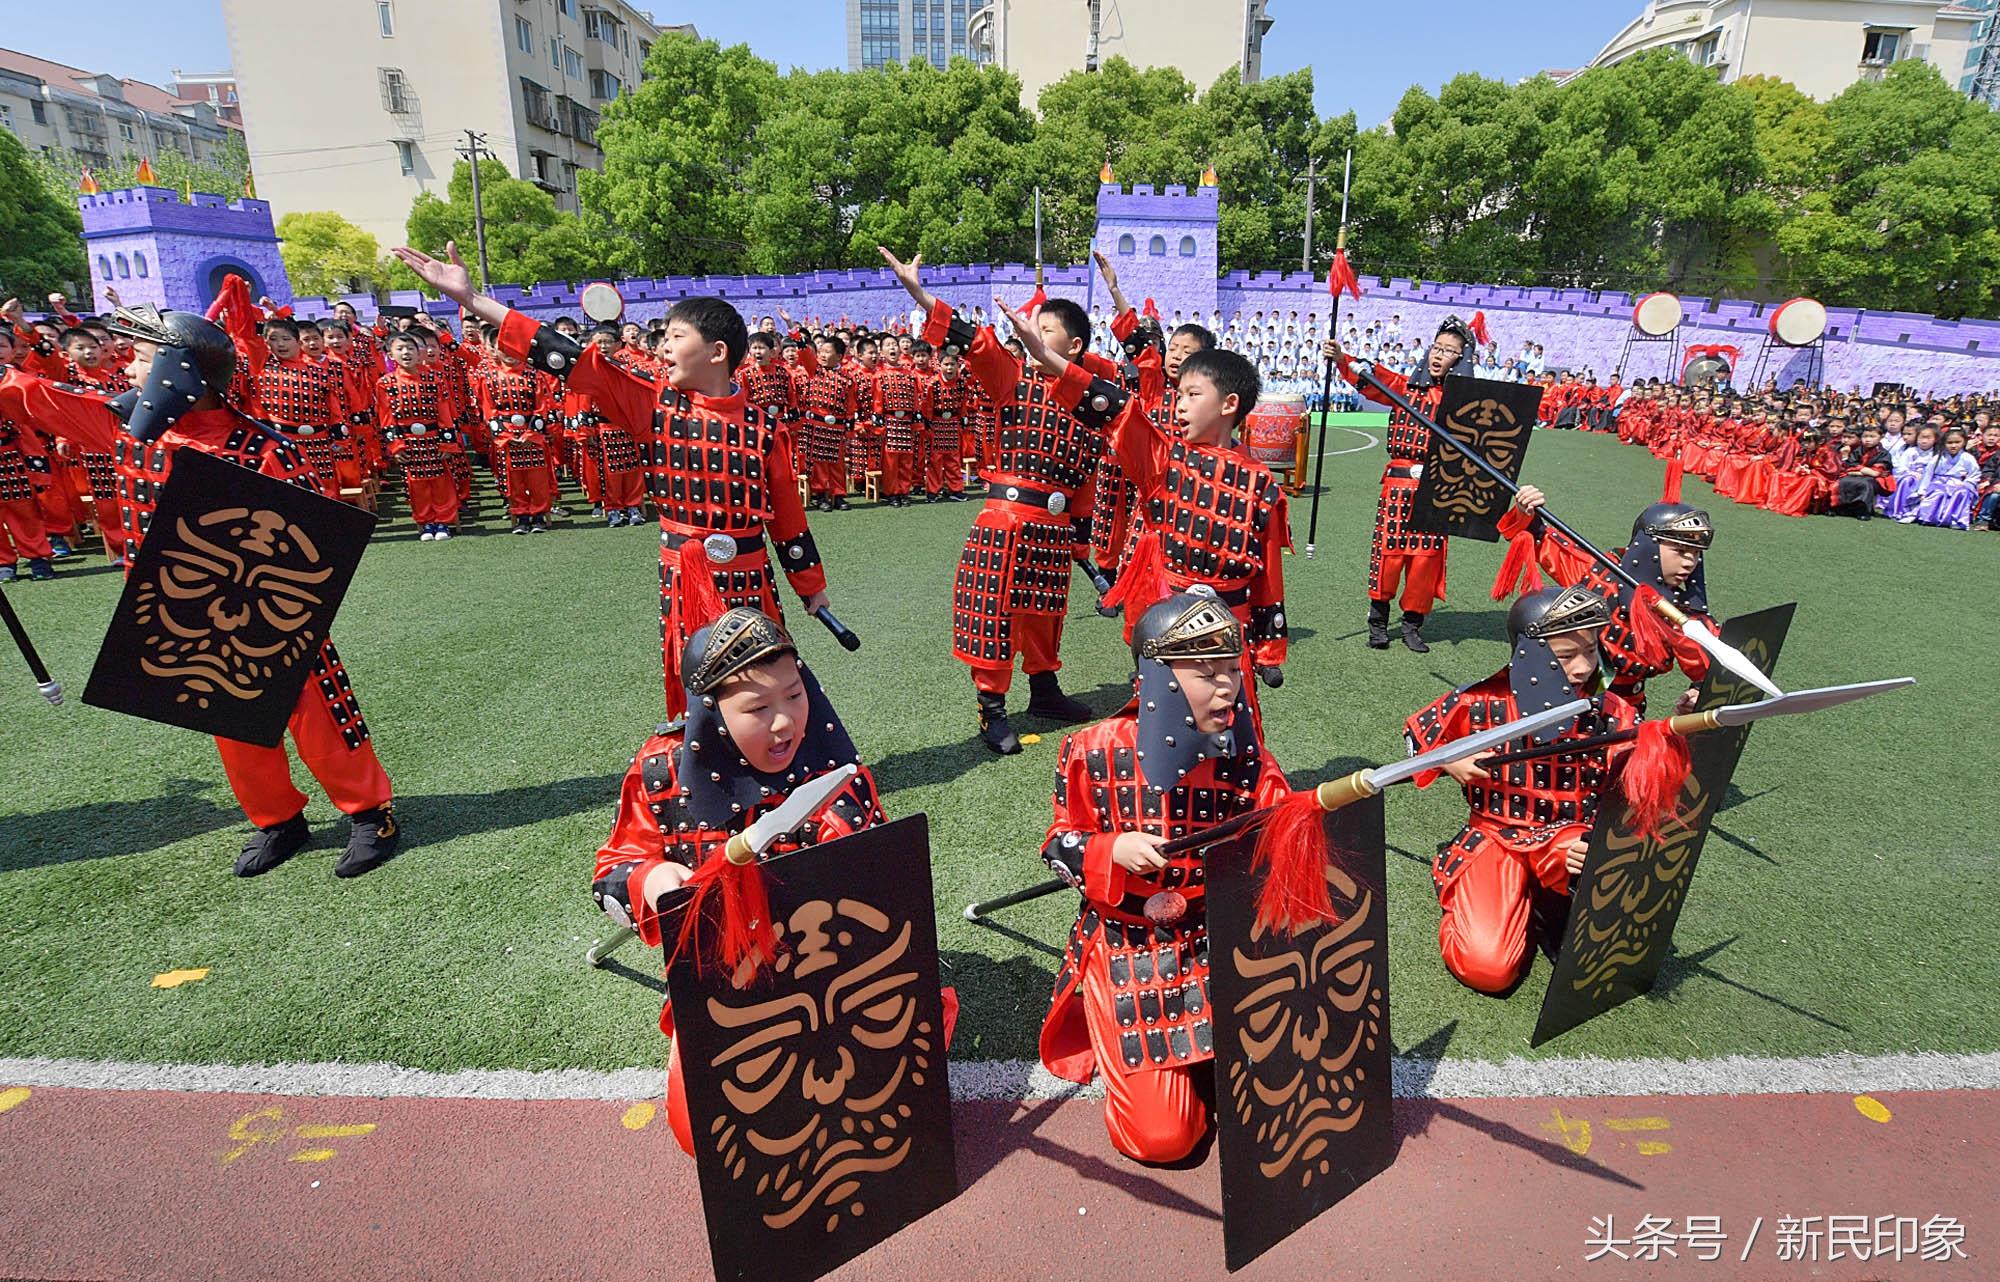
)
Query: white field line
[{"x": 1026, "y": 1080}]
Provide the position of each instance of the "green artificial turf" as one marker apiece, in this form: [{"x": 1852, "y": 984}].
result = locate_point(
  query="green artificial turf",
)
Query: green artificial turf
[{"x": 1843, "y": 902}]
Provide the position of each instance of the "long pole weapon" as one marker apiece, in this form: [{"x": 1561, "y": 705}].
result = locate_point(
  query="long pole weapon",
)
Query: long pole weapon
[
  {"x": 51, "y": 689},
  {"x": 1326, "y": 382},
  {"x": 1724, "y": 653}
]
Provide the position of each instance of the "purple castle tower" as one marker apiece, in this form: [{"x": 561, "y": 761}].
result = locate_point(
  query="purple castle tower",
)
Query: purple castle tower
[
  {"x": 153, "y": 248},
  {"x": 1163, "y": 244}
]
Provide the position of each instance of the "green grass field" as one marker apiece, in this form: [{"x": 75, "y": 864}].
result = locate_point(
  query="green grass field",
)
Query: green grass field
[{"x": 1838, "y": 905}]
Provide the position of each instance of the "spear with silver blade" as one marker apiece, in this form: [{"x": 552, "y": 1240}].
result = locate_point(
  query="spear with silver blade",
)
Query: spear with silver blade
[
  {"x": 1331, "y": 795},
  {"x": 746, "y": 847},
  {"x": 1735, "y": 714}
]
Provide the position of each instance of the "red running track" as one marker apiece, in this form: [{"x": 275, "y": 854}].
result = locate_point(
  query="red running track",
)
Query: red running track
[{"x": 217, "y": 1187}]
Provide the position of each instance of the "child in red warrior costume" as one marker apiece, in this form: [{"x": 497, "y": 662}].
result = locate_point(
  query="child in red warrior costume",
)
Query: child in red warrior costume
[
  {"x": 412, "y": 414},
  {"x": 1524, "y": 840},
  {"x": 718, "y": 467},
  {"x": 184, "y": 365},
  {"x": 1131, "y": 1000},
  {"x": 758, "y": 725},
  {"x": 517, "y": 404}
]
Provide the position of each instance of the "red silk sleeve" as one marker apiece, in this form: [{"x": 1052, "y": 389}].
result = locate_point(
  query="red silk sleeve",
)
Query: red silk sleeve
[
  {"x": 635, "y": 839},
  {"x": 1438, "y": 723},
  {"x": 80, "y": 417},
  {"x": 1268, "y": 588},
  {"x": 788, "y": 514}
]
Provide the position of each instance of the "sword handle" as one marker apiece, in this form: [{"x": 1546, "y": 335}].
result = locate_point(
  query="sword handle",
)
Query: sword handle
[
  {"x": 841, "y": 632},
  {"x": 738, "y": 851},
  {"x": 1669, "y": 611},
  {"x": 1688, "y": 723},
  {"x": 1335, "y": 793}
]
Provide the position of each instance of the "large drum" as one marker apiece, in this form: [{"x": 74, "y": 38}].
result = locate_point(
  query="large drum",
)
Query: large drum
[
  {"x": 1657, "y": 315},
  {"x": 1273, "y": 430},
  {"x": 1798, "y": 323}
]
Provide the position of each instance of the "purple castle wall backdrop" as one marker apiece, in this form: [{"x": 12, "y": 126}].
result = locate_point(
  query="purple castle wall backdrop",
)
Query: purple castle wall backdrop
[
  {"x": 153, "y": 247},
  {"x": 1164, "y": 246}
]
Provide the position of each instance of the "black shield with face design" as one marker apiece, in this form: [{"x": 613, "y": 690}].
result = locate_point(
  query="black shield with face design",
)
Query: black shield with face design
[
  {"x": 1496, "y": 420},
  {"x": 1630, "y": 893},
  {"x": 1302, "y": 1083},
  {"x": 817, "y": 1093},
  {"x": 228, "y": 601}
]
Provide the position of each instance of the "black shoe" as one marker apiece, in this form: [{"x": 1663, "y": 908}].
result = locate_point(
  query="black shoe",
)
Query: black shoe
[
  {"x": 371, "y": 840},
  {"x": 841, "y": 505},
  {"x": 273, "y": 846},
  {"x": 39, "y": 568},
  {"x": 994, "y": 731},
  {"x": 1046, "y": 699},
  {"x": 538, "y": 525},
  {"x": 8, "y": 573},
  {"x": 520, "y": 526},
  {"x": 955, "y": 496},
  {"x": 1413, "y": 632},
  {"x": 1378, "y": 625},
  {"x": 937, "y": 497}
]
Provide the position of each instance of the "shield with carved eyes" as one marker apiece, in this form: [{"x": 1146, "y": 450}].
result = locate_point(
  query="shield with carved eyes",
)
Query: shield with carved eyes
[
  {"x": 228, "y": 601},
  {"x": 1496, "y": 420},
  {"x": 817, "y": 1092},
  {"x": 1632, "y": 888},
  {"x": 1302, "y": 1089}
]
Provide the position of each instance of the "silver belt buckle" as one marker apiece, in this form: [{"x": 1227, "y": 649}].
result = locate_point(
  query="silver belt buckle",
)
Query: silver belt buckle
[
  {"x": 719, "y": 548},
  {"x": 1013, "y": 493},
  {"x": 1058, "y": 503},
  {"x": 1416, "y": 471},
  {"x": 519, "y": 420},
  {"x": 418, "y": 429}
]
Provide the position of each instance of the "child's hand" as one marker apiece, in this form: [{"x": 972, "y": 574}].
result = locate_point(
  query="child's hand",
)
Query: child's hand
[
  {"x": 1139, "y": 852},
  {"x": 1529, "y": 499},
  {"x": 1470, "y": 770},
  {"x": 1573, "y": 855}
]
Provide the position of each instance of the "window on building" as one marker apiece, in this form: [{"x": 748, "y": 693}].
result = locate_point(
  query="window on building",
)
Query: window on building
[
  {"x": 1879, "y": 47},
  {"x": 919, "y": 20},
  {"x": 572, "y": 63},
  {"x": 645, "y": 50},
  {"x": 39, "y": 111},
  {"x": 879, "y": 51},
  {"x": 524, "y": 35},
  {"x": 604, "y": 85},
  {"x": 555, "y": 52},
  {"x": 139, "y": 265},
  {"x": 6, "y": 115},
  {"x": 1187, "y": 247},
  {"x": 1157, "y": 245},
  {"x": 1706, "y": 51},
  {"x": 126, "y": 132},
  {"x": 568, "y": 7},
  {"x": 395, "y": 92},
  {"x": 406, "y": 156},
  {"x": 124, "y": 268},
  {"x": 103, "y": 267},
  {"x": 1126, "y": 245},
  {"x": 385, "y": 17}
]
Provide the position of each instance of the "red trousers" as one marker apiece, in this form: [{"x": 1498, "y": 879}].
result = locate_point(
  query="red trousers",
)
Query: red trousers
[
  {"x": 944, "y": 472},
  {"x": 625, "y": 488},
  {"x": 528, "y": 491},
  {"x": 1153, "y": 1115},
  {"x": 261, "y": 778},
  {"x": 21, "y": 531},
  {"x": 433, "y": 499},
  {"x": 1038, "y": 640},
  {"x": 1422, "y": 574},
  {"x": 60, "y": 507},
  {"x": 829, "y": 478},
  {"x": 898, "y": 467},
  {"x": 1484, "y": 934}
]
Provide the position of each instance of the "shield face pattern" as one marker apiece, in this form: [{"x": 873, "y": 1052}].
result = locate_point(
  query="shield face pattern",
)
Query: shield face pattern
[
  {"x": 817, "y": 1091},
  {"x": 1632, "y": 888},
  {"x": 1496, "y": 420},
  {"x": 1303, "y": 1091},
  {"x": 228, "y": 601}
]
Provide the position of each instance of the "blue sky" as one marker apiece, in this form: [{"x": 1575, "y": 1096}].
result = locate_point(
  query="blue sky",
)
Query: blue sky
[{"x": 1364, "y": 55}]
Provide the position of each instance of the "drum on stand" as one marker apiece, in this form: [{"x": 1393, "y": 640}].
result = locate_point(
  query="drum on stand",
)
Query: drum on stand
[
  {"x": 1657, "y": 315},
  {"x": 1800, "y": 322},
  {"x": 1274, "y": 430}
]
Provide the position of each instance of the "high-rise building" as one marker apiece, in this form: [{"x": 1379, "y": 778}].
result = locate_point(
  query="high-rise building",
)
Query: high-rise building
[
  {"x": 98, "y": 119},
  {"x": 1043, "y": 40},
  {"x": 885, "y": 32},
  {"x": 1822, "y": 46},
  {"x": 357, "y": 107},
  {"x": 1982, "y": 62}
]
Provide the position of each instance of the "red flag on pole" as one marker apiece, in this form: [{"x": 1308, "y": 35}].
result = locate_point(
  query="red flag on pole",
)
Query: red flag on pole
[
  {"x": 1341, "y": 276},
  {"x": 1035, "y": 301}
]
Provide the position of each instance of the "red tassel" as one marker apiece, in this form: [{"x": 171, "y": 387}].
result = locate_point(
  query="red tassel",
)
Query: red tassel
[
  {"x": 1518, "y": 569},
  {"x": 1654, "y": 775},
  {"x": 1652, "y": 640},
  {"x": 1479, "y": 329},
  {"x": 1151, "y": 309},
  {"x": 1035, "y": 301},
  {"x": 1142, "y": 584},
  {"x": 746, "y": 931},
  {"x": 696, "y": 604},
  {"x": 1291, "y": 852},
  {"x": 1670, "y": 492}
]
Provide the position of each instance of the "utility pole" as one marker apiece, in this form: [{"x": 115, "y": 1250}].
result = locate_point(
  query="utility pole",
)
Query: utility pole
[
  {"x": 1312, "y": 177},
  {"x": 475, "y": 147}
]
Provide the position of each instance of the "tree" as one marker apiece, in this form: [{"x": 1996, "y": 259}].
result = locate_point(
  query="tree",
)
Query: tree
[
  {"x": 222, "y": 175},
  {"x": 41, "y": 245},
  {"x": 325, "y": 254},
  {"x": 527, "y": 239}
]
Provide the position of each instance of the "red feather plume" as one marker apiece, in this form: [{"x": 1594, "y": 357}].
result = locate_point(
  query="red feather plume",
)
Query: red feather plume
[
  {"x": 746, "y": 931},
  {"x": 1652, "y": 640},
  {"x": 1479, "y": 331},
  {"x": 1518, "y": 569},
  {"x": 1670, "y": 490},
  {"x": 1291, "y": 852},
  {"x": 1655, "y": 772}
]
